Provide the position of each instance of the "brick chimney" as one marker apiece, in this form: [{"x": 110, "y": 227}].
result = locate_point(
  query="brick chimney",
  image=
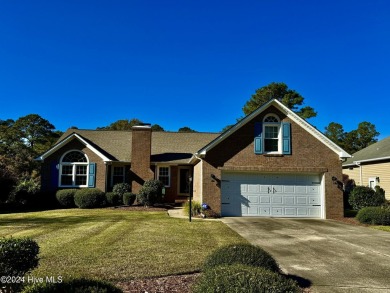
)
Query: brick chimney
[{"x": 141, "y": 148}]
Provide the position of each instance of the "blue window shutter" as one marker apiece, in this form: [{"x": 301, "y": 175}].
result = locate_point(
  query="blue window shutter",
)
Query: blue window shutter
[
  {"x": 91, "y": 175},
  {"x": 54, "y": 172},
  {"x": 286, "y": 136},
  {"x": 258, "y": 138}
]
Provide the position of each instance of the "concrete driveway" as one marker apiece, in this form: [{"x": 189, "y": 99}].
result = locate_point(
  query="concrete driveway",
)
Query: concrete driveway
[{"x": 334, "y": 256}]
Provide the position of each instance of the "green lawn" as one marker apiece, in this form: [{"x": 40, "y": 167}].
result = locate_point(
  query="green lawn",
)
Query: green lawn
[
  {"x": 116, "y": 245},
  {"x": 383, "y": 228}
]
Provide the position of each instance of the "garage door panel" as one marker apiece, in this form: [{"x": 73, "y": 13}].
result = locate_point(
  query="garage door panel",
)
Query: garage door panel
[
  {"x": 253, "y": 199},
  {"x": 314, "y": 200},
  {"x": 288, "y": 189},
  {"x": 265, "y": 188},
  {"x": 253, "y": 211},
  {"x": 301, "y": 200},
  {"x": 277, "y": 199},
  {"x": 265, "y": 211},
  {"x": 290, "y": 212},
  {"x": 300, "y": 189},
  {"x": 314, "y": 190},
  {"x": 302, "y": 212},
  {"x": 265, "y": 199},
  {"x": 253, "y": 188},
  {"x": 289, "y": 200},
  {"x": 271, "y": 195}
]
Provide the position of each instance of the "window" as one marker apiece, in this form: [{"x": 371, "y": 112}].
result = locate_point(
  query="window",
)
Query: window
[
  {"x": 118, "y": 175},
  {"x": 164, "y": 175},
  {"x": 74, "y": 169},
  {"x": 272, "y": 136}
]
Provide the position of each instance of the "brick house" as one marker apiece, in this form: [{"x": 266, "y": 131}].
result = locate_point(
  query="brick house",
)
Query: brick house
[{"x": 272, "y": 163}]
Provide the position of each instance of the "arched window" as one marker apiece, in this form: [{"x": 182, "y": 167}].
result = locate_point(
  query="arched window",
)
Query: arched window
[
  {"x": 271, "y": 124},
  {"x": 74, "y": 169}
]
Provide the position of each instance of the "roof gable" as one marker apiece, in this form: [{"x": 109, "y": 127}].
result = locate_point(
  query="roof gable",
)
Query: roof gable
[
  {"x": 67, "y": 140},
  {"x": 294, "y": 117}
]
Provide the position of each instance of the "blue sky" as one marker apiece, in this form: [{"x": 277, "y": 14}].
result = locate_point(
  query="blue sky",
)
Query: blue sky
[{"x": 192, "y": 63}]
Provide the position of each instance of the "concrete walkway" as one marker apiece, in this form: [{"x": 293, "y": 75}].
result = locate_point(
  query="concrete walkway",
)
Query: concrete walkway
[{"x": 334, "y": 256}]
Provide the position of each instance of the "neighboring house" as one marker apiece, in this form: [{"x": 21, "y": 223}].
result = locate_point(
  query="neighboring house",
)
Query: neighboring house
[
  {"x": 371, "y": 166},
  {"x": 272, "y": 163}
]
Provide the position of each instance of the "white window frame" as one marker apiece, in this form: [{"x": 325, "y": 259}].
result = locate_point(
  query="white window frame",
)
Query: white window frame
[
  {"x": 112, "y": 174},
  {"x": 278, "y": 125},
  {"x": 169, "y": 174},
  {"x": 74, "y": 168}
]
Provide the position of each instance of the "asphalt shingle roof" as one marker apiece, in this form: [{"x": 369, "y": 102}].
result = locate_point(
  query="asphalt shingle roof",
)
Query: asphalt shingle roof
[
  {"x": 172, "y": 147},
  {"x": 380, "y": 149}
]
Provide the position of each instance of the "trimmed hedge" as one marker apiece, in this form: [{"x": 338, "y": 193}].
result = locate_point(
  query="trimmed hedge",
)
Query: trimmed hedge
[
  {"x": 128, "y": 198},
  {"x": 374, "y": 215},
  {"x": 89, "y": 198},
  {"x": 364, "y": 196},
  {"x": 65, "y": 197},
  {"x": 18, "y": 256},
  {"x": 121, "y": 188},
  {"x": 241, "y": 278},
  {"x": 113, "y": 199},
  {"x": 245, "y": 254},
  {"x": 150, "y": 193},
  {"x": 76, "y": 285}
]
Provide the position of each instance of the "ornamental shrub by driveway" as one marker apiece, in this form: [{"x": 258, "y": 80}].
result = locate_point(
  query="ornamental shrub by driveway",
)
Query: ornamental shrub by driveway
[
  {"x": 374, "y": 215},
  {"x": 364, "y": 196},
  {"x": 239, "y": 278},
  {"x": 245, "y": 254}
]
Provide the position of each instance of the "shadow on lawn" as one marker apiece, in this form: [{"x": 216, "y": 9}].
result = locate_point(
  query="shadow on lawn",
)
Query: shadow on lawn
[{"x": 302, "y": 282}]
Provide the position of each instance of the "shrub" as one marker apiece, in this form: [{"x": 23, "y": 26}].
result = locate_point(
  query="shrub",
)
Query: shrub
[
  {"x": 26, "y": 191},
  {"x": 17, "y": 258},
  {"x": 65, "y": 197},
  {"x": 89, "y": 198},
  {"x": 242, "y": 278},
  {"x": 76, "y": 285},
  {"x": 128, "y": 198},
  {"x": 364, "y": 196},
  {"x": 374, "y": 215},
  {"x": 196, "y": 208},
  {"x": 121, "y": 188},
  {"x": 150, "y": 193},
  {"x": 113, "y": 199},
  {"x": 245, "y": 254},
  {"x": 209, "y": 213}
]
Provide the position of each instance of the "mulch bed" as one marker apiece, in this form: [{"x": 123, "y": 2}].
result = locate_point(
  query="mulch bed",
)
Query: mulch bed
[
  {"x": 177, "y": 283},
  {"x": 159, "y": 208}
]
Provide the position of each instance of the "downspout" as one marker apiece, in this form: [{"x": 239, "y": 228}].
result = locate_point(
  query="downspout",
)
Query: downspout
[{"x": 360, "y": 172}]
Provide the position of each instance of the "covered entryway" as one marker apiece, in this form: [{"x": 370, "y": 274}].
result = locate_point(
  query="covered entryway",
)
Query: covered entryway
[{"x": 272, "y": 195}]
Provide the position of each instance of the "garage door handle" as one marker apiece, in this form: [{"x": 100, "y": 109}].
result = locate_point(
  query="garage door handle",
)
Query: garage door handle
[{"x": 316, "y": 205}]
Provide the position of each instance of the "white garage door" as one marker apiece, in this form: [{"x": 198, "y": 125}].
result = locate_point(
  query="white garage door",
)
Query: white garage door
[{"x": 271, "y": 195}]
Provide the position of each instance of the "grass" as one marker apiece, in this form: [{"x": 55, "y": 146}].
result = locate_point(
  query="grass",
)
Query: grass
[
  {"x": 383, "y": 228},
  {"x": 116, "y": 245}
]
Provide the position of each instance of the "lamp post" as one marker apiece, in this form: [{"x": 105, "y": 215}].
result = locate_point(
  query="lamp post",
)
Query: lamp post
[{"x": 190, "y": 191}]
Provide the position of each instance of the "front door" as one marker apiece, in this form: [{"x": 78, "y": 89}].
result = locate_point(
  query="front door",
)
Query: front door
[{"x": 184, "y": 186}]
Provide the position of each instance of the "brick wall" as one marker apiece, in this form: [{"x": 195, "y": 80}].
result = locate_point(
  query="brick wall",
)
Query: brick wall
[
  {"x": 55, "y": 158},
  {"x": 308, "y": 156},
  {"x": 140, "y": 156}
]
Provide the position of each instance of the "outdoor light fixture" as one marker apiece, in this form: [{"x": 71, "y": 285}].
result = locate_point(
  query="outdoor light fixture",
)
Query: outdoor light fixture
[{"x": 334, "y": 179}]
